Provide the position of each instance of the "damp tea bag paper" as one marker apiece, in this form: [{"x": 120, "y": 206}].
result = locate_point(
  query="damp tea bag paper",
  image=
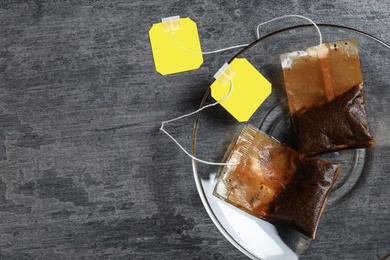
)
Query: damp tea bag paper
[
  {"x": 324, "y": 86},
  {"x": 175, "y": 45},
  {"x": 247, "y": 86},
  {"x": 274, "y": 182}
]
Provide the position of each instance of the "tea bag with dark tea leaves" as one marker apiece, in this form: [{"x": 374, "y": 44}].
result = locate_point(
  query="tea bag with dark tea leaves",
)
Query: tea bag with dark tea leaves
[
  {"x": 324, "y": 87},
  {"x": 274, "y": 182}
]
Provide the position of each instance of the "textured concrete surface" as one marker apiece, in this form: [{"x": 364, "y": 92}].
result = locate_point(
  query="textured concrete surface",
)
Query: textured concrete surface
[{"x": 84, "y": 171}]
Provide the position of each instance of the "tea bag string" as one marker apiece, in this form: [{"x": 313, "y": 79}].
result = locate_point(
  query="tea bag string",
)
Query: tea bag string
[
  {"x": 289, "y": 16},
  {"x": 257, "y": 33},
  {"x": 192, "y": 113}
]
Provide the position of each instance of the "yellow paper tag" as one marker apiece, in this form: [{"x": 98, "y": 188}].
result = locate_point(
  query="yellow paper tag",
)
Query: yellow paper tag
[
  {"x": 175, "y": 45},
  {"x": 248, "y": 92}
]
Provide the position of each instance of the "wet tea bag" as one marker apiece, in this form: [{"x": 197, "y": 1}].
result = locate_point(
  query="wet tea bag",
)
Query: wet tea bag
[
  {"x": 324, "y": 87},
  {"x": 274, "y": 182}
]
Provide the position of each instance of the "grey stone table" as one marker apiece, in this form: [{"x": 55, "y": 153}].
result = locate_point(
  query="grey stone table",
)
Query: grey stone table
[{"x": 84, "y": 171}]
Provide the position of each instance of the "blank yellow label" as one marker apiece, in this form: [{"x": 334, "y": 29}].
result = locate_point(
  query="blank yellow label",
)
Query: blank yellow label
[
  {"x": 248, "y": 92},
  {"x": 175, "y": 46}
]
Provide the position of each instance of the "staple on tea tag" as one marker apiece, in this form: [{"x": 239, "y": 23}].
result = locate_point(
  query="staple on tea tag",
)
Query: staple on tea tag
[
  {"x": 171, "y": 23},
  {"x": 169, "y": 56},
  {"x": 225, "y": 75},
  {"x": 251, "y": 88}
]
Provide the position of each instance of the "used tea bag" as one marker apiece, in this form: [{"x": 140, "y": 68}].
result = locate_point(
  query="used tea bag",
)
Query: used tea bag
[
  {"x": 274, "y": 182},
  {"x": 324, "y": 87}
]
